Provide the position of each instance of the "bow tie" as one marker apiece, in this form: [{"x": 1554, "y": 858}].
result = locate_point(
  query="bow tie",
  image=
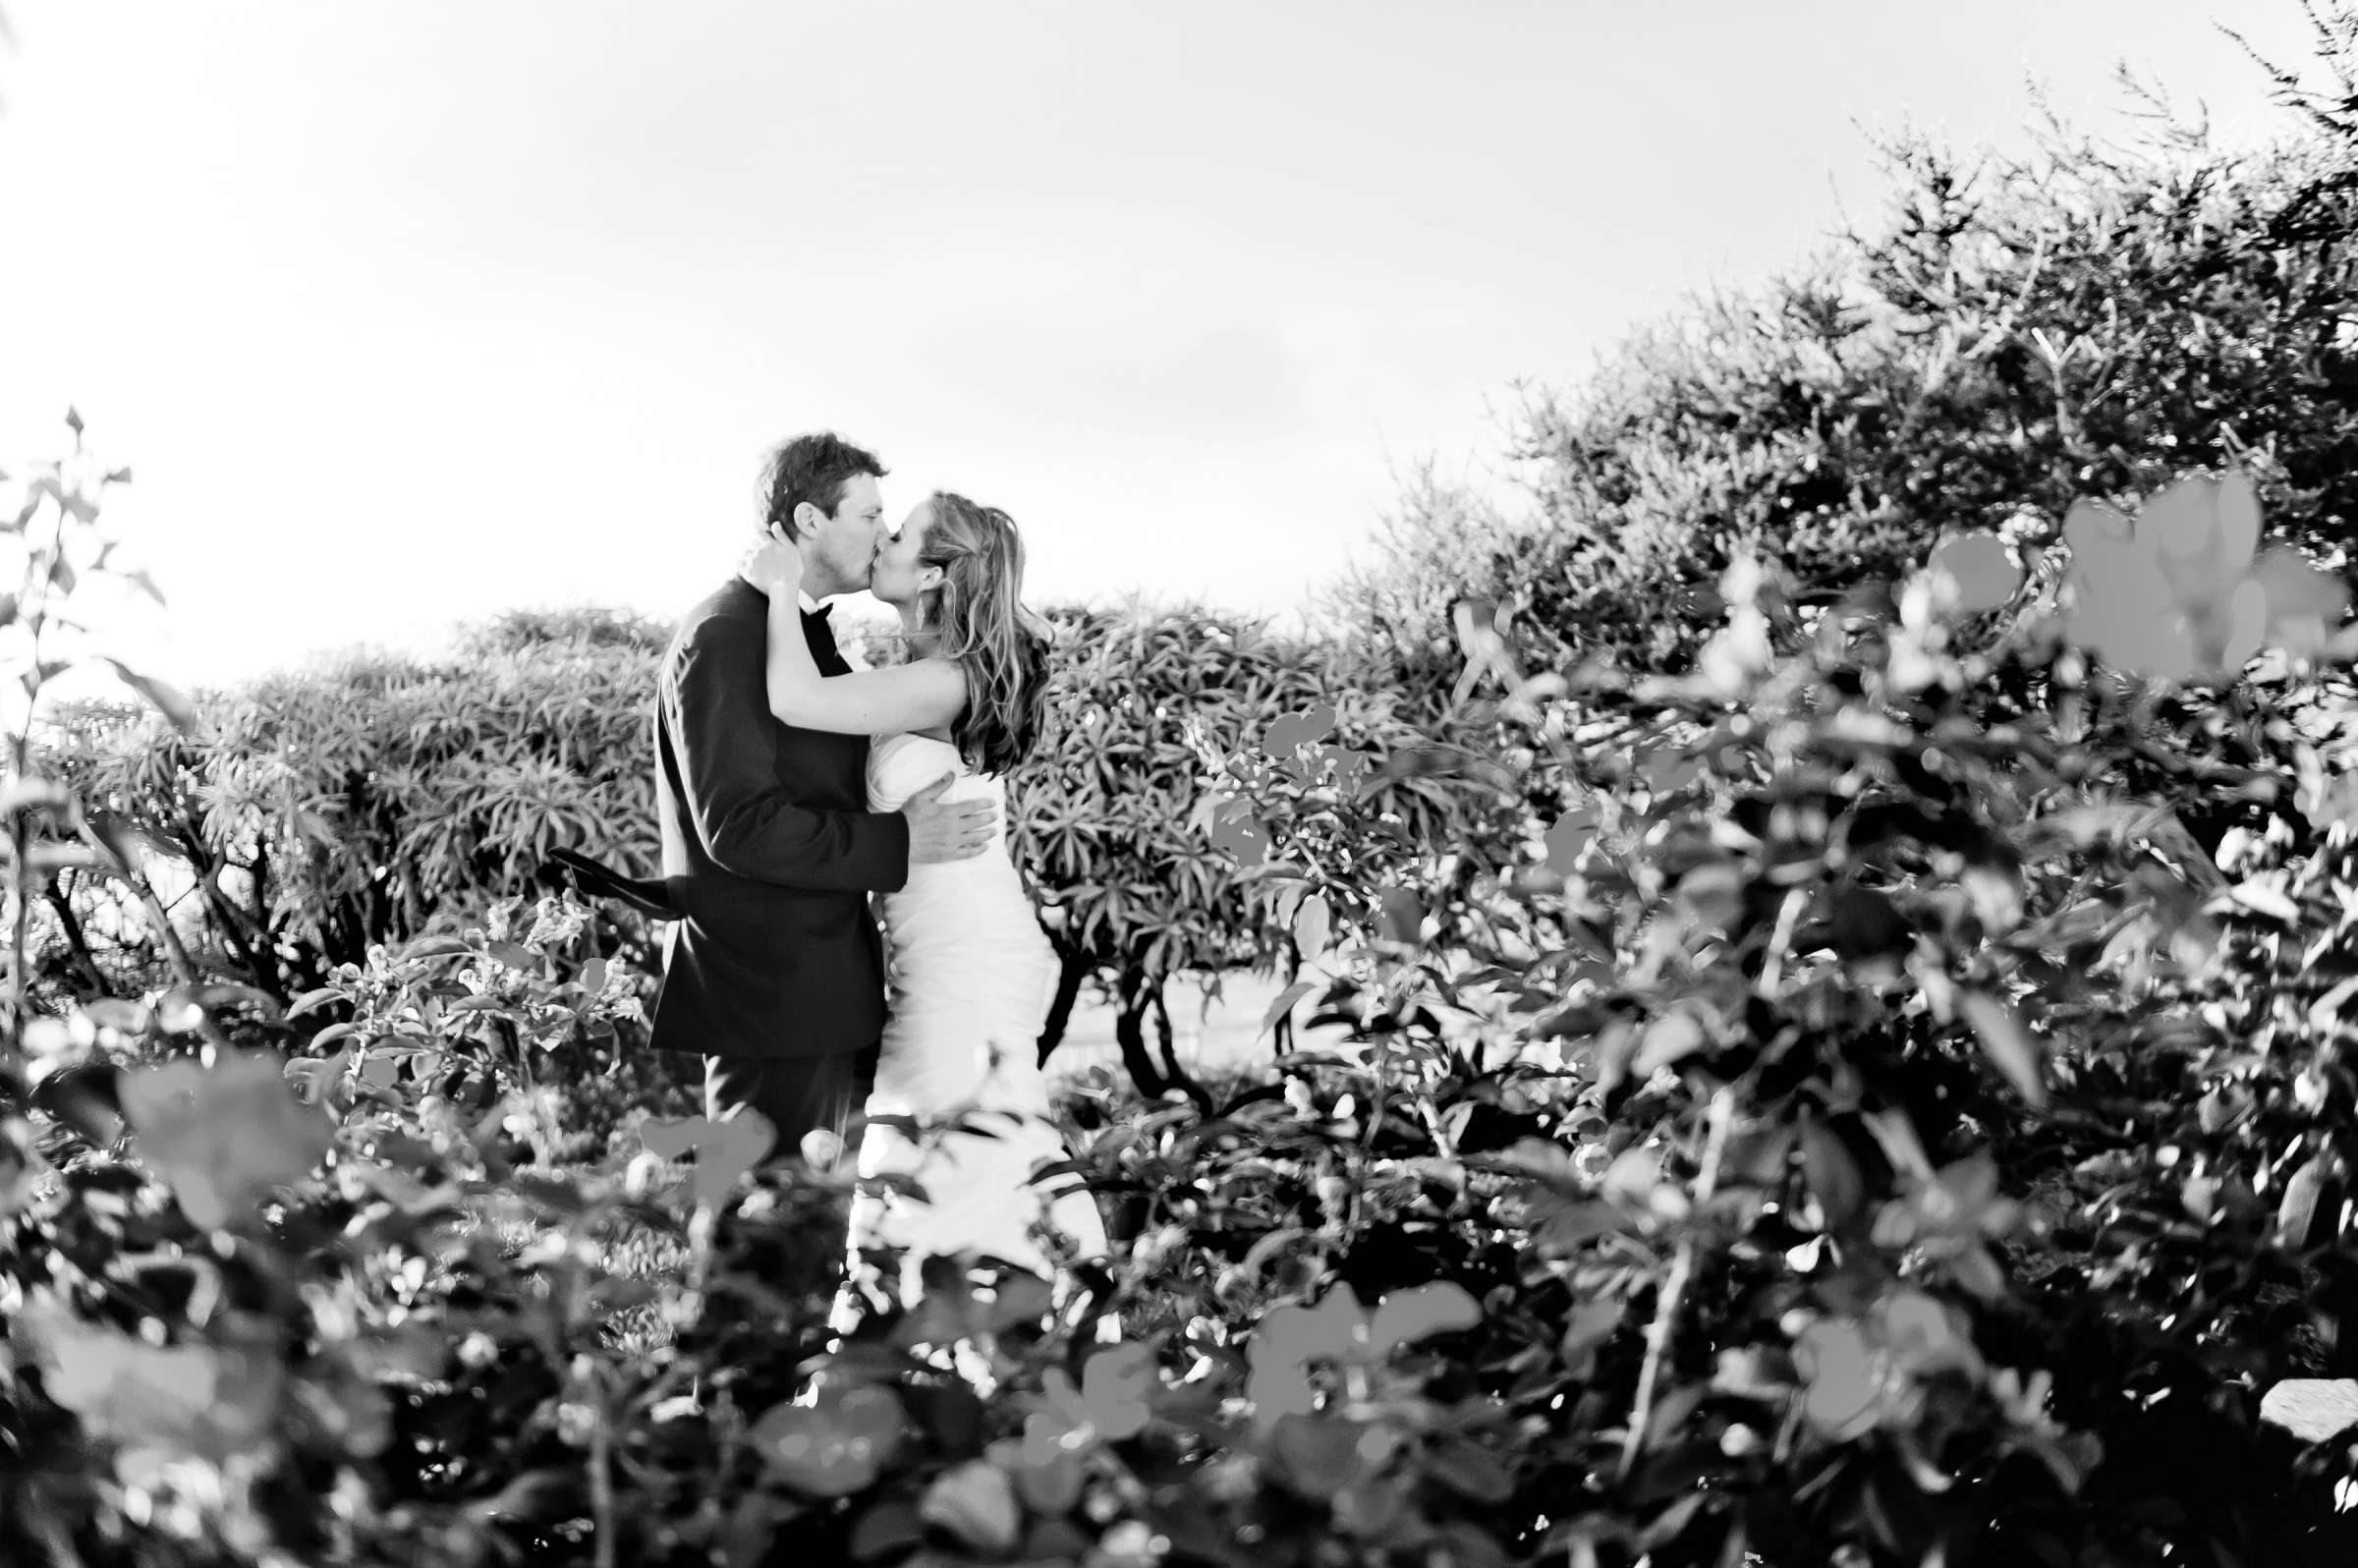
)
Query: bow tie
[{"x": 819, "y": 614}]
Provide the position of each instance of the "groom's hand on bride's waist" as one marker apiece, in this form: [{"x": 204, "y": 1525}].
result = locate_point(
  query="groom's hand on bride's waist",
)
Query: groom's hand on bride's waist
[{"x": 946, "y": 831}]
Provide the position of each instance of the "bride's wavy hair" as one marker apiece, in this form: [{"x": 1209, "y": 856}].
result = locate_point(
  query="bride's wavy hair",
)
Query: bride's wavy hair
[{"x": 976, "y": 618}]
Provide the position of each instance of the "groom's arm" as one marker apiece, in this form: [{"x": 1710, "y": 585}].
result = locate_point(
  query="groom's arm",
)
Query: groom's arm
[{"x": 720, "y": 721}]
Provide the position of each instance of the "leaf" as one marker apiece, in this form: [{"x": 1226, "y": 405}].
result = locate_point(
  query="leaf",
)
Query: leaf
[
  {"x": 1634, "y": 1177},
  {"x": 437, "y": 947},
  {"x": 2314, "y": 1410},
  {"x": 1669, "y": 1039},
  {"x": 1567, "y": 839},
  {"x": 1114, "y": 1386},
  {"x": 1559, "y": 1226},
  {"x": 976, "y": 1503},
  {"x": 724, "y": 1151},
  {"x": 1313, "y": 924},
  {"x": 218, "y": 996},
  {"x": 1297, "y": 730},
  {"x": 1468, "y": 1469},
  {"x": 44, "y": 859},
  {"x": 177, "y": 1011},
  {"x": 1864, "y": 924},
  {"x": 1050, "y": 1480},
  {"x": 886, "y": 1528},
  {"x": 1419, "y": 1311},
  {"x": 35, "y": 793},
  {"x": 1283, "y": 1004},
  {"x": 1832, "y": 1174},
  {"x": 185, "y": 1400},
  {"x": 2095, "y": 525},
  {"x": 2333, "y": 806},
  {"x": 1402, "y": 916},
  {"x": 2245, "y": 629},
  {"x": 2333, "y": 1006},
  {"x": 835, "y": 1448},
  {"x": 1540, "y": 1159},
  {"x": 1845, "y": 1385},
  {"x": 2181, "y": 521},
  {"x": 1020, "y": 1298},
  {"x": 1985, "y": 576},
  {"x": 334, "y": 1033},
  {"x": 2235, "y": 503},
  {"x": 123, "y": 1017},
  {"x": 745, "y": 1538},
  {"x": 2001, "y": 1036},
  {"x": 313, "y": 1001},
  {"x": 1318, "y": 1456},
  {"x": 2296, "y": 1214},
  {"x": 223, "y": 1135},
  {"x": 613, "y": 1296},
  {"x": 313, "y": 1076},
  {"x": 1591, "y": 1325},
  {"x": 537, "y": 1496},
  {"x": 2261, "y": 899},
  {"x": 1245, "y": 838},
  {"x": 2305, "y": 602},
  {"x": 166, "y": 698},
  {"x": 185, "y": 1008}
]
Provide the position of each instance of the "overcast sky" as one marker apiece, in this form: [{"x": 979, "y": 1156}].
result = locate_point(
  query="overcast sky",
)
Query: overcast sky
[{"x": 408, "y": 313}]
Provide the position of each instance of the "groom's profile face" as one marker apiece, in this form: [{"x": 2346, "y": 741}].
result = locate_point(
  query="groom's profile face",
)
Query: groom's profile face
[{"x": 845, "y": 544}]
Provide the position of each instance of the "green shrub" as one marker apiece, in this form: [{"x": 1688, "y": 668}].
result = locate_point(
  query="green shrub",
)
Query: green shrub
[
  {"x": 316, "y": 815},
  {"x": 1102, "y": 820},
  {"x": 1830, "y": 1141},
  {"x": 1914, "y": 1040},
  {"x": 2011, "y": 334},
  {"x": 1887, "y": 1101}
]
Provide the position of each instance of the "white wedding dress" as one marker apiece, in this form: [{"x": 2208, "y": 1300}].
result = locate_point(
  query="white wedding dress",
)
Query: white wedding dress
[{"x": 971, "y": 978}]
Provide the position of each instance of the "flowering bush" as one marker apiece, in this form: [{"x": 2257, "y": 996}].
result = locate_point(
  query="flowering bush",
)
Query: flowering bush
[
  {"x": 2000, "y": 332},
  {"x": 1882, "y": 972},
  {"x": 1876, "y": 1094}
]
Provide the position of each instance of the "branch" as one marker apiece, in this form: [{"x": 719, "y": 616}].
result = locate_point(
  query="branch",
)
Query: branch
[
  {"x": 1674, "y": 1289},
  {"x": 71, "y": 924}
]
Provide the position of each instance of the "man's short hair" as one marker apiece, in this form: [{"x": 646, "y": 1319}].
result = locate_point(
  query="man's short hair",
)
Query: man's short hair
[{"x": 813, "y": 469}]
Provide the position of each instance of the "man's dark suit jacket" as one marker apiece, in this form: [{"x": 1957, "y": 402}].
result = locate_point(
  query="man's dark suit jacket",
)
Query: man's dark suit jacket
[{"x": 769, "y": 852}]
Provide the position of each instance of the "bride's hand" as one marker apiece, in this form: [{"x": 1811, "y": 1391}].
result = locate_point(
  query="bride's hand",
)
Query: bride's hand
[{"x": 772, "y": 564}]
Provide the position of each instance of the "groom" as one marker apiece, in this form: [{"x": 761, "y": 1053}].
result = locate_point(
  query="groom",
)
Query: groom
[{"x": 773, "y": 972}]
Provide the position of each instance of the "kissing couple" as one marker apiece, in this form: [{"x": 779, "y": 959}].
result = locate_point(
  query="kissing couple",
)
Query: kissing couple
[{"x": 793, "y": 787}]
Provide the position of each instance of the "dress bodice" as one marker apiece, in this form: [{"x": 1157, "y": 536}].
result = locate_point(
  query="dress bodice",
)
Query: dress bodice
[
  {"x": 972, "y": 904},
  {"x": 900, "y": 765}
]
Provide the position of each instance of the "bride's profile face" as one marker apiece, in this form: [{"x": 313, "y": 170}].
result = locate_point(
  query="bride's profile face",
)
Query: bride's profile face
[{"x": 898, "y": 578}]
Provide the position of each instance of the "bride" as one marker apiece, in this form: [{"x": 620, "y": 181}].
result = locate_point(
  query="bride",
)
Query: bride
[{"x": 971, "y": 975}]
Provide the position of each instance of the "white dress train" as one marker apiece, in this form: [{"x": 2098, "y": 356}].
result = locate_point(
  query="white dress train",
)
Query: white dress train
[{"x": 973, "y": 976}]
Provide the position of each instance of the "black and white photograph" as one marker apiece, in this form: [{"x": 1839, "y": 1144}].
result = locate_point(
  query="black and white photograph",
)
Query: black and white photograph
[{"x": 1322, "y": 784}]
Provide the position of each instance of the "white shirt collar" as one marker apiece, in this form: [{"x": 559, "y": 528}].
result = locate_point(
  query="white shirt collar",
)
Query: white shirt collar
[{"x": 809, "y": 604}]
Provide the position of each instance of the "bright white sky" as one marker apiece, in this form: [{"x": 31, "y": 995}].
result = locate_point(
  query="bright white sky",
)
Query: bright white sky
[{"x": 408, "y": 313}]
